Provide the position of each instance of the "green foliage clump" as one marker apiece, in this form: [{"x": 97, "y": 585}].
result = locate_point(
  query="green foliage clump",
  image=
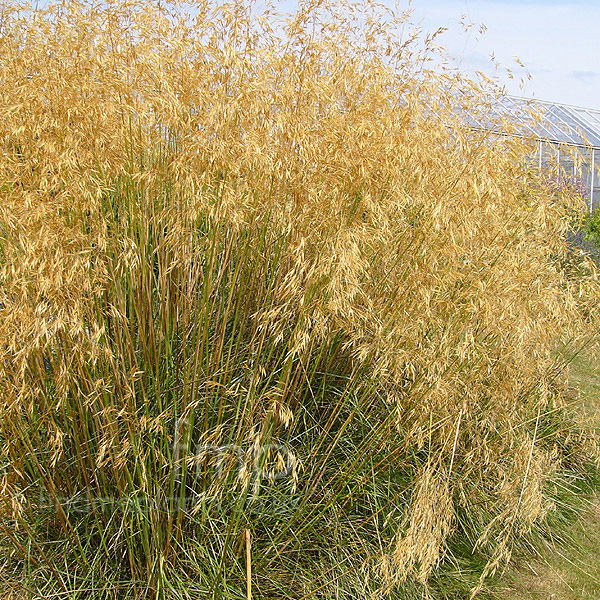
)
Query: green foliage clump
[
  {"x": 273, "y": 317},
  {"x": 591, "y": 227}
]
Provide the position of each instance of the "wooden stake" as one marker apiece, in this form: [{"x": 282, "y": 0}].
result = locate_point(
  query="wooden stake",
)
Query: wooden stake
[{"x": 248, "y": 566}]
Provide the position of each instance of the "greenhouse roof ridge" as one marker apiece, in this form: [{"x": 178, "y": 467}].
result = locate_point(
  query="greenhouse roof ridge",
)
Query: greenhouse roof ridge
[{"x": 556, "y": 123}]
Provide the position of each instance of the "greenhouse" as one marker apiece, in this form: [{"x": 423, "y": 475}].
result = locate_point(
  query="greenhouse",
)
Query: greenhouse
[{"x": 567, "y": 138}]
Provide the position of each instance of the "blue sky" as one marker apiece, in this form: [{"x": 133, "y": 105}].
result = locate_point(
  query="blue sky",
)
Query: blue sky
[{"x": 557, "y": 41}]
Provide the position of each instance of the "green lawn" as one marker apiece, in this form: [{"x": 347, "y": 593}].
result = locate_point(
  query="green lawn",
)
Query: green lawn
[{"x": 568, "y": 568}]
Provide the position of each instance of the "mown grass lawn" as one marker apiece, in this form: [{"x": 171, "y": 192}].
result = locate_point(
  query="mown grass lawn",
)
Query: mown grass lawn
[{"x": 569, "y": 567}]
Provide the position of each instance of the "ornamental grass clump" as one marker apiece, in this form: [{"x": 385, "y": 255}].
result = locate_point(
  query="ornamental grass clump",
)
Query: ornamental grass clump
[{"x": 274, "y": 319}]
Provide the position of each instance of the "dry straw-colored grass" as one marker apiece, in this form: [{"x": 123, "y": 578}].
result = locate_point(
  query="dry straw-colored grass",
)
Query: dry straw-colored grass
[{"x": 230, "y": 229}]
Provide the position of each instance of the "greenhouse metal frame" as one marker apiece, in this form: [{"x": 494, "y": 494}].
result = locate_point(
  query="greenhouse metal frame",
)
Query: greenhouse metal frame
[{"x": 568, "y": 139}]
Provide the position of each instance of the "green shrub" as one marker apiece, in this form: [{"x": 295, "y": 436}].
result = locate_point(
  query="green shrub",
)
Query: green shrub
[{"x": 592, "y": 227}]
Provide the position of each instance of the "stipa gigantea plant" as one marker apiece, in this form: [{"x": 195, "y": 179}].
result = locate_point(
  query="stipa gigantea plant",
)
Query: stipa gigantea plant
[{"x": 259, "y": 276}]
